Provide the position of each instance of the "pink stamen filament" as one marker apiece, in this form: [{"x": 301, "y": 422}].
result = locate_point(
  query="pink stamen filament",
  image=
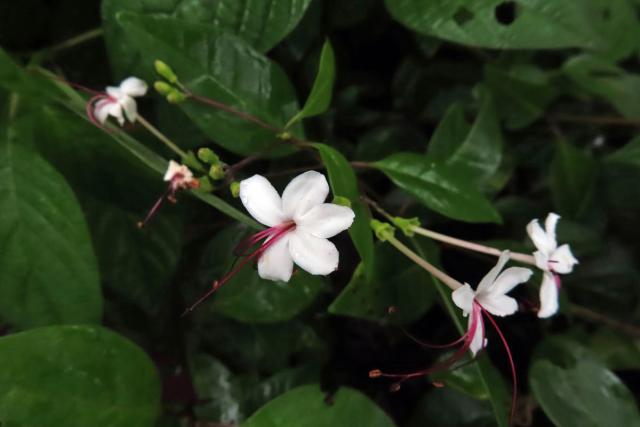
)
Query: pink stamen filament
[{"x": 272, "y": 235}]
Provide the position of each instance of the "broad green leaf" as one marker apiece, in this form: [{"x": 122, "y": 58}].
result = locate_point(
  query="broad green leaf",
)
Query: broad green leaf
[
  {"x": 609, "y": 27},
  {"x": 76, "y": 376},
  {"x": 615, "y": 349},
  {"x": 449, "y": 408},
  {"x": 396, "y": 283},
  {"x": 48, "y": 268},
  {"x": 247, "y": 297},
  {"x": 344, "y": 184},
  {"x": 604, "y": 79},
  {"x": 223, "y": 68},
  {"x": 439, "y": 188},
  {"x": 479, "y": 153},
  {"x": 319, "y": 98},
  {"x": 584, "y": 394},
  {"x": 307, "y": 406},
  {"x": 262, "y": 24},
  {"x": 573, "y": 178},
  {"x": 15, "y": 79},
  {"x": 521, "y": 93},
  {"x": 629, "y": 153},
  {"x": 383, "y": 141}
]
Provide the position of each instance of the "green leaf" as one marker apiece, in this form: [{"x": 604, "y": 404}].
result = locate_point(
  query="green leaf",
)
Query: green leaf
[
  {"x": 438, "y": 188},
  {"x": 449, "y": 408},
  {"x": 583, "y": 394},
  {"x": 396, "y": 283},
  {"x": 247, "y": 297},
  {"x": 223, "y": 68},
  {"x": 307, "y": 406},
  {"x": 320, "y": 97},
  {"x": 604, "y": 79},
  {"x": 49, "y": 270},
  {"x": 608, "y": 27},
  {"x": 344, "y": 184},
  {"x": 262, "y": 24},
  {"x": 478, "y": 154},
  {"x": 573, "y": 178},
  {"x": 629, "y": 153},
  {"x": 76, "y": 376}
]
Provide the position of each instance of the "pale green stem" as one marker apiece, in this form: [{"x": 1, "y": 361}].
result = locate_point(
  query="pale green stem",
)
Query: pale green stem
[
  {"x": 14, "y": 100},
  {"x": 516, "y": 256},
  {"x": 452, "y": 283},
  {"x": 161, "y": 136},
  {"x": 74, "y": 41}
]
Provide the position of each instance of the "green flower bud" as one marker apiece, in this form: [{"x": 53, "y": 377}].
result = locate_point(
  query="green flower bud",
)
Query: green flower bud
[
  {"x": 208, "y": 156},
  {"x": 235, "y": 189},
  {"x": 176, "y": 97},
  {"x": 217, "y": 171},
  {"x": 165, "y": 71},
  {"x": 163, "y": 88}
]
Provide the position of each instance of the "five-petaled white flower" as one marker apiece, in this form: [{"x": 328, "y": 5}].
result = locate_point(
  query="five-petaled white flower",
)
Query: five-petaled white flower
[
  {"x": 551, "y": 259},
  {"x": 299, "y": 224},
  {"x": 179, "y": 177},
  {"x": 490, "y": 296},
  {"x": 118, "y": 102}
]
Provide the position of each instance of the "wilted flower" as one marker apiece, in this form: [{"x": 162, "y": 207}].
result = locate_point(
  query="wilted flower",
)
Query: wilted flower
[
  {"x": 551, "y": 259},
  {"x": 117, "y": 102}
]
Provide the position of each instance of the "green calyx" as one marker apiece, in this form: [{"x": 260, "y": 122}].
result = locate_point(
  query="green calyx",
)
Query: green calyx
[
  {"x": 235, "y": 189},
  {"x": 406, "y": 225},
  {"x": 383, "y": 230}
]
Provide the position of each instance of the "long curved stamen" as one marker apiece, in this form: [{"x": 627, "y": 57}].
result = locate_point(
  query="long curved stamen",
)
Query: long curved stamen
[
  {"x": 511, "y": 363},
  {"x": 430, "y": 345},
  {"x": 273, "y": 235}
]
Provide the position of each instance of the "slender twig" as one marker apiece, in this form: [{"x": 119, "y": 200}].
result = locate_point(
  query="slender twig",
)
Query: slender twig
[
  {"x": 588, "y": 314},
  {"x": 597, "y": 120},
  {"x": 161, "y": 136},
  {"x": 76, "y": 40}
]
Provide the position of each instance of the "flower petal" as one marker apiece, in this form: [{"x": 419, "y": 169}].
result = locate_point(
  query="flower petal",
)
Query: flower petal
[
  {"x": 548, "y": 296},
  {"x": 490, "y": 277},
  {"x": 114, "y": 92},
  {"x": 478, "y": 341},
  {"x": 313, "y": 254},
  {"x": 509, "y": 279},
  {"x": 261, "y": 200},
  {"x": 326, "y": 220},
  {"x": 173, "y": 169},
  {"x": 304, "y": 192},
  {"x": 542, "y": 260},
  {"x": 276, "y": 262},
  {"x": 562, "y": 260},
  {"x": 115, "y": 110},
  {"x": 498, "y": 304},
  {"x": 550, "y": 225},
  {"x": 133, "y": 86},
  {"x": 101, "y": 110},
  {"x": 539, "y": 237},
  {"x": 463, "y": 297},
  {"x": 130, "y": 108}
]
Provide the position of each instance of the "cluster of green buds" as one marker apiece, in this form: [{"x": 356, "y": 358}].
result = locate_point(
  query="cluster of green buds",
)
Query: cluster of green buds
[
  {"x": 216, "y": 166},
  {"x": 172, "y": 89}
]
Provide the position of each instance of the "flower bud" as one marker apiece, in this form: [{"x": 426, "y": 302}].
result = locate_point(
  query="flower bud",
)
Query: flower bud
[
  {"x": 163, "y": 88},
  {"x": 235, "y": 189},
  {"x": 165, "y": 71},
  {"x": 176, "y": 97},
  {"x": 217, "y": 171},
  {"x": 207, "y": 155}
]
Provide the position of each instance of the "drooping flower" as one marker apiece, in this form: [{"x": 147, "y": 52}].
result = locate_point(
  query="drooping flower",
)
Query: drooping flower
[
  {"x": 299, "y": 224},
  {"x": 489, "y": 297},
  {"x": 118, "y": 102},
  {"x": 552, "y": 260}
]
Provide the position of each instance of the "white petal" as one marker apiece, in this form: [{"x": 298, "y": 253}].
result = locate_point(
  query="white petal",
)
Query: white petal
[
  {"x": 498, "y": 304},
  {"x": 276, "y": 263},
  {"x": 548, "y": 296},
  {"x": 100, "y": 110},
  {"x": 133, "y": 86},
  {"x": 550, "y": 225},
  {"x": 562, "y": 260},
  {"x": 478, "y": 342},
  {"x": 114, "y": 92},
  {"x": 173, "y": 169},
  {"x": 313, "y": 254},
  {"x": 490, "y": 277},
  {"x": 304, "y": 192},
  {"x": 326, "y": 220},
  {"x": 463, "y": 297},
  {"x": 539, "y": 237},
  {"x": 542, "y": 260},
  {"x": 115, "y": 110},
  {"x": 130, "y": 109},
  {"x": 509, "y": 279},
  {"x": 261, "y": 200}
]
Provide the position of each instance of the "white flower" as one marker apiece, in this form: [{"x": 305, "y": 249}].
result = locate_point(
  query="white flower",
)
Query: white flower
[
  {"x": 119, "y": 101},
  {"x": 490, "y": 296},
  {"x": 178, "y": 175},
  {"x": 300, "y": 221},
  {"x": 551, "y": 259}
]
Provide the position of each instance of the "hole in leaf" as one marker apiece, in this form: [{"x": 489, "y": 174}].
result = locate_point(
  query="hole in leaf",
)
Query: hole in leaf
[
  {"x": 505, "y": 12},
  {"x": 462, "y": 16}
]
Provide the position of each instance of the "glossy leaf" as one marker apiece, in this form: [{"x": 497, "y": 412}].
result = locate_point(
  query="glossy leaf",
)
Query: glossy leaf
[
  {"x": 449, "y": 408},
  {"x": 598, "y": 25},
  {"x": 49, "y": 270},
  {"x": 344, "y": 184},
  {"x": 573, "y": 178},
  {"x": 262, "y": 24},
  {"x": 223, "y": 68},
  {"x": 319, "y": 98},
  {"x": 396, "y": 283},
  {"x": 629, "y": 153},
  {"x": 76, "y": 376},
  {"x": 307, "y": 406},
  {"x": 247, "y": 297},
  {"x": 437, "y": 187}
]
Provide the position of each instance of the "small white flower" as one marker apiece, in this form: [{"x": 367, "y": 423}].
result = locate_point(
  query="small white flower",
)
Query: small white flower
[
  {"x": 490, "y": 296},
  {"x": 300, "y": 222},
  {"x": 551, "y": 259},
  {"x": 179, "y": 176},
  {"x": 119, "y": 102}
]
